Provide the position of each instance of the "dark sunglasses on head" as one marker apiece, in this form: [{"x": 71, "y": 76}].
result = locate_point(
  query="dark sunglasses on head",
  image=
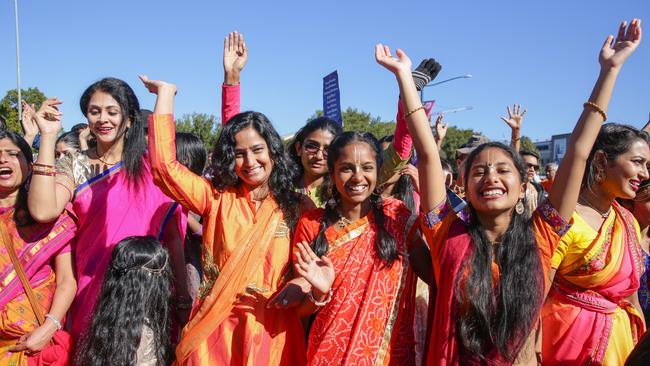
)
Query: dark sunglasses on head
[{"x": 313, "y": 149}]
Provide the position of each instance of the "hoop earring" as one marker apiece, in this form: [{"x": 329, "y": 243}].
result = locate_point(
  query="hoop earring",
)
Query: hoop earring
[{"x": 519, "y": 207}]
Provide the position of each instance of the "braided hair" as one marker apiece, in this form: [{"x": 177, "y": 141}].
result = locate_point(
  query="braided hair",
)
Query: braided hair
[{"x": 385, "y": 245}]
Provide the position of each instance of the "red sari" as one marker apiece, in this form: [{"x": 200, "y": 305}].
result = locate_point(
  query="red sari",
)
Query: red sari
[{"x": 369, "y": 320}]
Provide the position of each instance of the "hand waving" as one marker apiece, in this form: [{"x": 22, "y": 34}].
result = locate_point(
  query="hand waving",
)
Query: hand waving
[
  {"x": 395, "y": 65},
  {"x": 319, "y": 272},
  {"x": 441, "y": 130},
  {"x": 48, "y": 117},
  {"x": 235, "y": 56},
  {"x": 515, "y": 117},
  {"x": 615, "y": 52}
]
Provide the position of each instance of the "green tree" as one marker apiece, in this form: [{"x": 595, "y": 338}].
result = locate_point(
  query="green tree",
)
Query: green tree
[
  {"x": 205, "y": 126},
  {"x": 9, "y": 106},
  {"x": 528, "y": 144},
  {"x": 355, "y": 120}
]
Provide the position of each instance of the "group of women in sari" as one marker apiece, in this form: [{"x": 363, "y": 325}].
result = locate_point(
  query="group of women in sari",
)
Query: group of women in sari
[{"x": 320, "y": 248}]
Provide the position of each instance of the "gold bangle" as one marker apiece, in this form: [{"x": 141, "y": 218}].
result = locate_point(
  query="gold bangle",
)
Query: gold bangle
[
  {"x": 47, "y": 173},
  {"x": 413, "y": 111},
  {"x": 44, "y": 165},
  {"x": 39, "y": 169},
  {"x": 597, "y": 109}
]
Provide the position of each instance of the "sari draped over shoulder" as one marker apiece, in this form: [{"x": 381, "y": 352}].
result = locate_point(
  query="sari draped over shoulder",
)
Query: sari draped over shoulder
[
  {"x": 245, "y": 255},
  {"x": 109, "y": 208},
  {"x": 451, "y": 244},
  {"x": 36, "y": 246},
  {"x": 587, "y": 318},
  {"x": 369, "y": 320}
]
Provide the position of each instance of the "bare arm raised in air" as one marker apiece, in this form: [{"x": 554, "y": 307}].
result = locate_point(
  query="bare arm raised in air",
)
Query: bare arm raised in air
[
  {"x": 432, "y": 184},
  {"x": 514, "y": 120},
  {"x": 566, "y": 186}
]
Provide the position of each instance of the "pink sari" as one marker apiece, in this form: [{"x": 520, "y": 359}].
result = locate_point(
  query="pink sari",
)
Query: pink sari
[{"x": 108, "y": 210}]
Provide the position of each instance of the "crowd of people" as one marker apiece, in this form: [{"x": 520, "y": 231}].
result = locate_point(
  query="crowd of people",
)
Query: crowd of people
[{"x": 121, "y": 247}]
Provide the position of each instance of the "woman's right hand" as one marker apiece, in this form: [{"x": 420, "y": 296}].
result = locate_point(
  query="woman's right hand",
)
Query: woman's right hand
[
  {"x": 401, "y": 64},
  {"x": 157, "y": 86},
  {"x": 615, "y": 52},
  {"x": 48, "y": 117},
  {"x": 319, "y": 272}
]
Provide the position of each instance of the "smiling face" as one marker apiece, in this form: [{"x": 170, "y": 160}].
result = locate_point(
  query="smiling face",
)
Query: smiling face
[
  {"x": 253, "y": 163},
  {"x": 14, "y": 168},
  {"x": 624, "y": 174},
  {"x": 493, "y": 183},
  {"x": 355, "y": 173},
  {"x": 313, "y": 152},
  {"x": 105, "y": 116}
]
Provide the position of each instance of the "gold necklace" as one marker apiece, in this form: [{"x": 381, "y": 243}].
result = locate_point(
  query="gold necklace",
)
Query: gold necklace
[
  {"x": 102, "y": 160},
  {"x": 343, "y": 222},
  {"x": 602, "y": 214}
]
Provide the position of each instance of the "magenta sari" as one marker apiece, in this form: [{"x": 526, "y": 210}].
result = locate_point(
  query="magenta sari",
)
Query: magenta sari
[{"x": 108, "y": 210}]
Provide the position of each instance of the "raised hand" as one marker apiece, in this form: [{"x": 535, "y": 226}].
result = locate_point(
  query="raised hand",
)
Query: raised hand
[
  {"x": 441, "y": 130},
  {"x": 319, "y": 272},
  {"x": 395, "y": 65},
  {"x": 235, "y": 56},
  {"x": 30, "y": 128},
  {"x": 412, "y": 172},
  {"x": 156, "y": 86},
  {"x": 615, "y": 52},
  {"x": 515, "y": 117},
  {"x": 48, "y": 117}
]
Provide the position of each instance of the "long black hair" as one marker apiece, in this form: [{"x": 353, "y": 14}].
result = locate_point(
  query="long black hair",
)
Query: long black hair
[
  {"x": 135, "y": 143},
  {"x": 284, "y": 170},
  {"x": 613, "y": 140},
  {"x": 500, "y": 316},
  {"x": 385, "y": 245},
  {"x": 191, "y": 152},
  {"x": 320, "y": 123},
  {"x": 136, "y": 292},
  {"x": 402, "y": 189},
  {"x": 21, "y": 214}
]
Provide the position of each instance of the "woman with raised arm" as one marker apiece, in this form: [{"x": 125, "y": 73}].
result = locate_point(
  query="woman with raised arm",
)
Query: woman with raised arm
[
  {"x": 249, "y": 210},
  {"x": 110, "y": 188},
  {"x": 42, "y": 251},
  {"x": 486, "y": 309},
  {"x": 592, "y": 314}
]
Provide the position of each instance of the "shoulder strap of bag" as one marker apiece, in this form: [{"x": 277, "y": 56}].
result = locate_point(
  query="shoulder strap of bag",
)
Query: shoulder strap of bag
[{"x": 29, "y": 291}]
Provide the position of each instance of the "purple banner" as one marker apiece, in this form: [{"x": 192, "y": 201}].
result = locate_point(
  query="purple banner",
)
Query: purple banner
[{"x": 332, "y": 97}]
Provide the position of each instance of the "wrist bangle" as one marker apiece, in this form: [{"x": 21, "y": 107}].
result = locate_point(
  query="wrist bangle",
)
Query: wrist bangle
[
  {"x": 54, "y": 320},
  {"x": 596, "y": 108},
  {"x": 320, "y": 303},
  {"x": 413, "y": 111},
  {"x": 44, "y": 165}
]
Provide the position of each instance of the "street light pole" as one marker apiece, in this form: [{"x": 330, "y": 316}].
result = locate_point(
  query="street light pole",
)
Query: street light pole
[
  {"x": 466, "y": 76},
  {"x": 20, "y": 97}
]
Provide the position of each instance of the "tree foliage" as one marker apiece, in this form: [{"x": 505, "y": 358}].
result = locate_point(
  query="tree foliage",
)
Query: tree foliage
[
  {"x": 453, "y": 140},
  {"x": 205, "y": 126},
  {"x": 528, "y": 144},
  {"x": 9, "y": 106},
  {"x": 355, "y": 120}
]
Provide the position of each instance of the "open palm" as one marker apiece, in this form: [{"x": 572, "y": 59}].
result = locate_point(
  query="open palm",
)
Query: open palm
[
  {"x": 384, "y": 57},
  {"x": 48, "y": 117},
  {"x": 319, "y": 272},
  {"x": 614, "y": 53},
  {"x": 235, "y": 53}
]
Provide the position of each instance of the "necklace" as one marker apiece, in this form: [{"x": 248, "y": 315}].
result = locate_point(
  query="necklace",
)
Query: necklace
[
  {"x": 102, "y": 160},
  {"x": 591, "y": 205},
  {"x": 343, "y": 222}
]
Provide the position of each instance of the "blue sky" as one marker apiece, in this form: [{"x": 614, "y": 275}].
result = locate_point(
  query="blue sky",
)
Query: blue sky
[{"x": 540, "y": 54}]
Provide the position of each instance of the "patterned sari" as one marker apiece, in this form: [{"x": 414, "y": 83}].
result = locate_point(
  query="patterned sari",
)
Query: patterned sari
[
  {"x": 369, "y": 320},
  {"x": 109, "y": 209},
  {"x": 36, "y": 246},
  {"x": 587, "y": 318}
]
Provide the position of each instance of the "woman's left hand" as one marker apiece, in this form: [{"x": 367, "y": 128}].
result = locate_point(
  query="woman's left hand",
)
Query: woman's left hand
[
  {"x": 412, "y": 171},
  {"x": 615, "y": 52},
  {"x": 36, "y": 340}
]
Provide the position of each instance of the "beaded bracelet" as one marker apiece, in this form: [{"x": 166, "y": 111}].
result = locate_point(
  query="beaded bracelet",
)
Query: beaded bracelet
[
  {"x": 320, "y": 303},
  {"x": 597, "y": 109},
  {"x": 413, "y": 111}
]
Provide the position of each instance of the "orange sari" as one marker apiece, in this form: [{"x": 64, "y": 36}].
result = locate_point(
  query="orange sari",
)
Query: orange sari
[
  {"x": 369, "y": 320},
  {"x": 245, "y": 257},
  {"x": 36, "y": 246}
]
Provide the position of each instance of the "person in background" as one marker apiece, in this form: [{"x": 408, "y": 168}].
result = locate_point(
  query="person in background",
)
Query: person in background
[
  {"x": 67, "y": 143},
  {"x": 550, "y": 169}
]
